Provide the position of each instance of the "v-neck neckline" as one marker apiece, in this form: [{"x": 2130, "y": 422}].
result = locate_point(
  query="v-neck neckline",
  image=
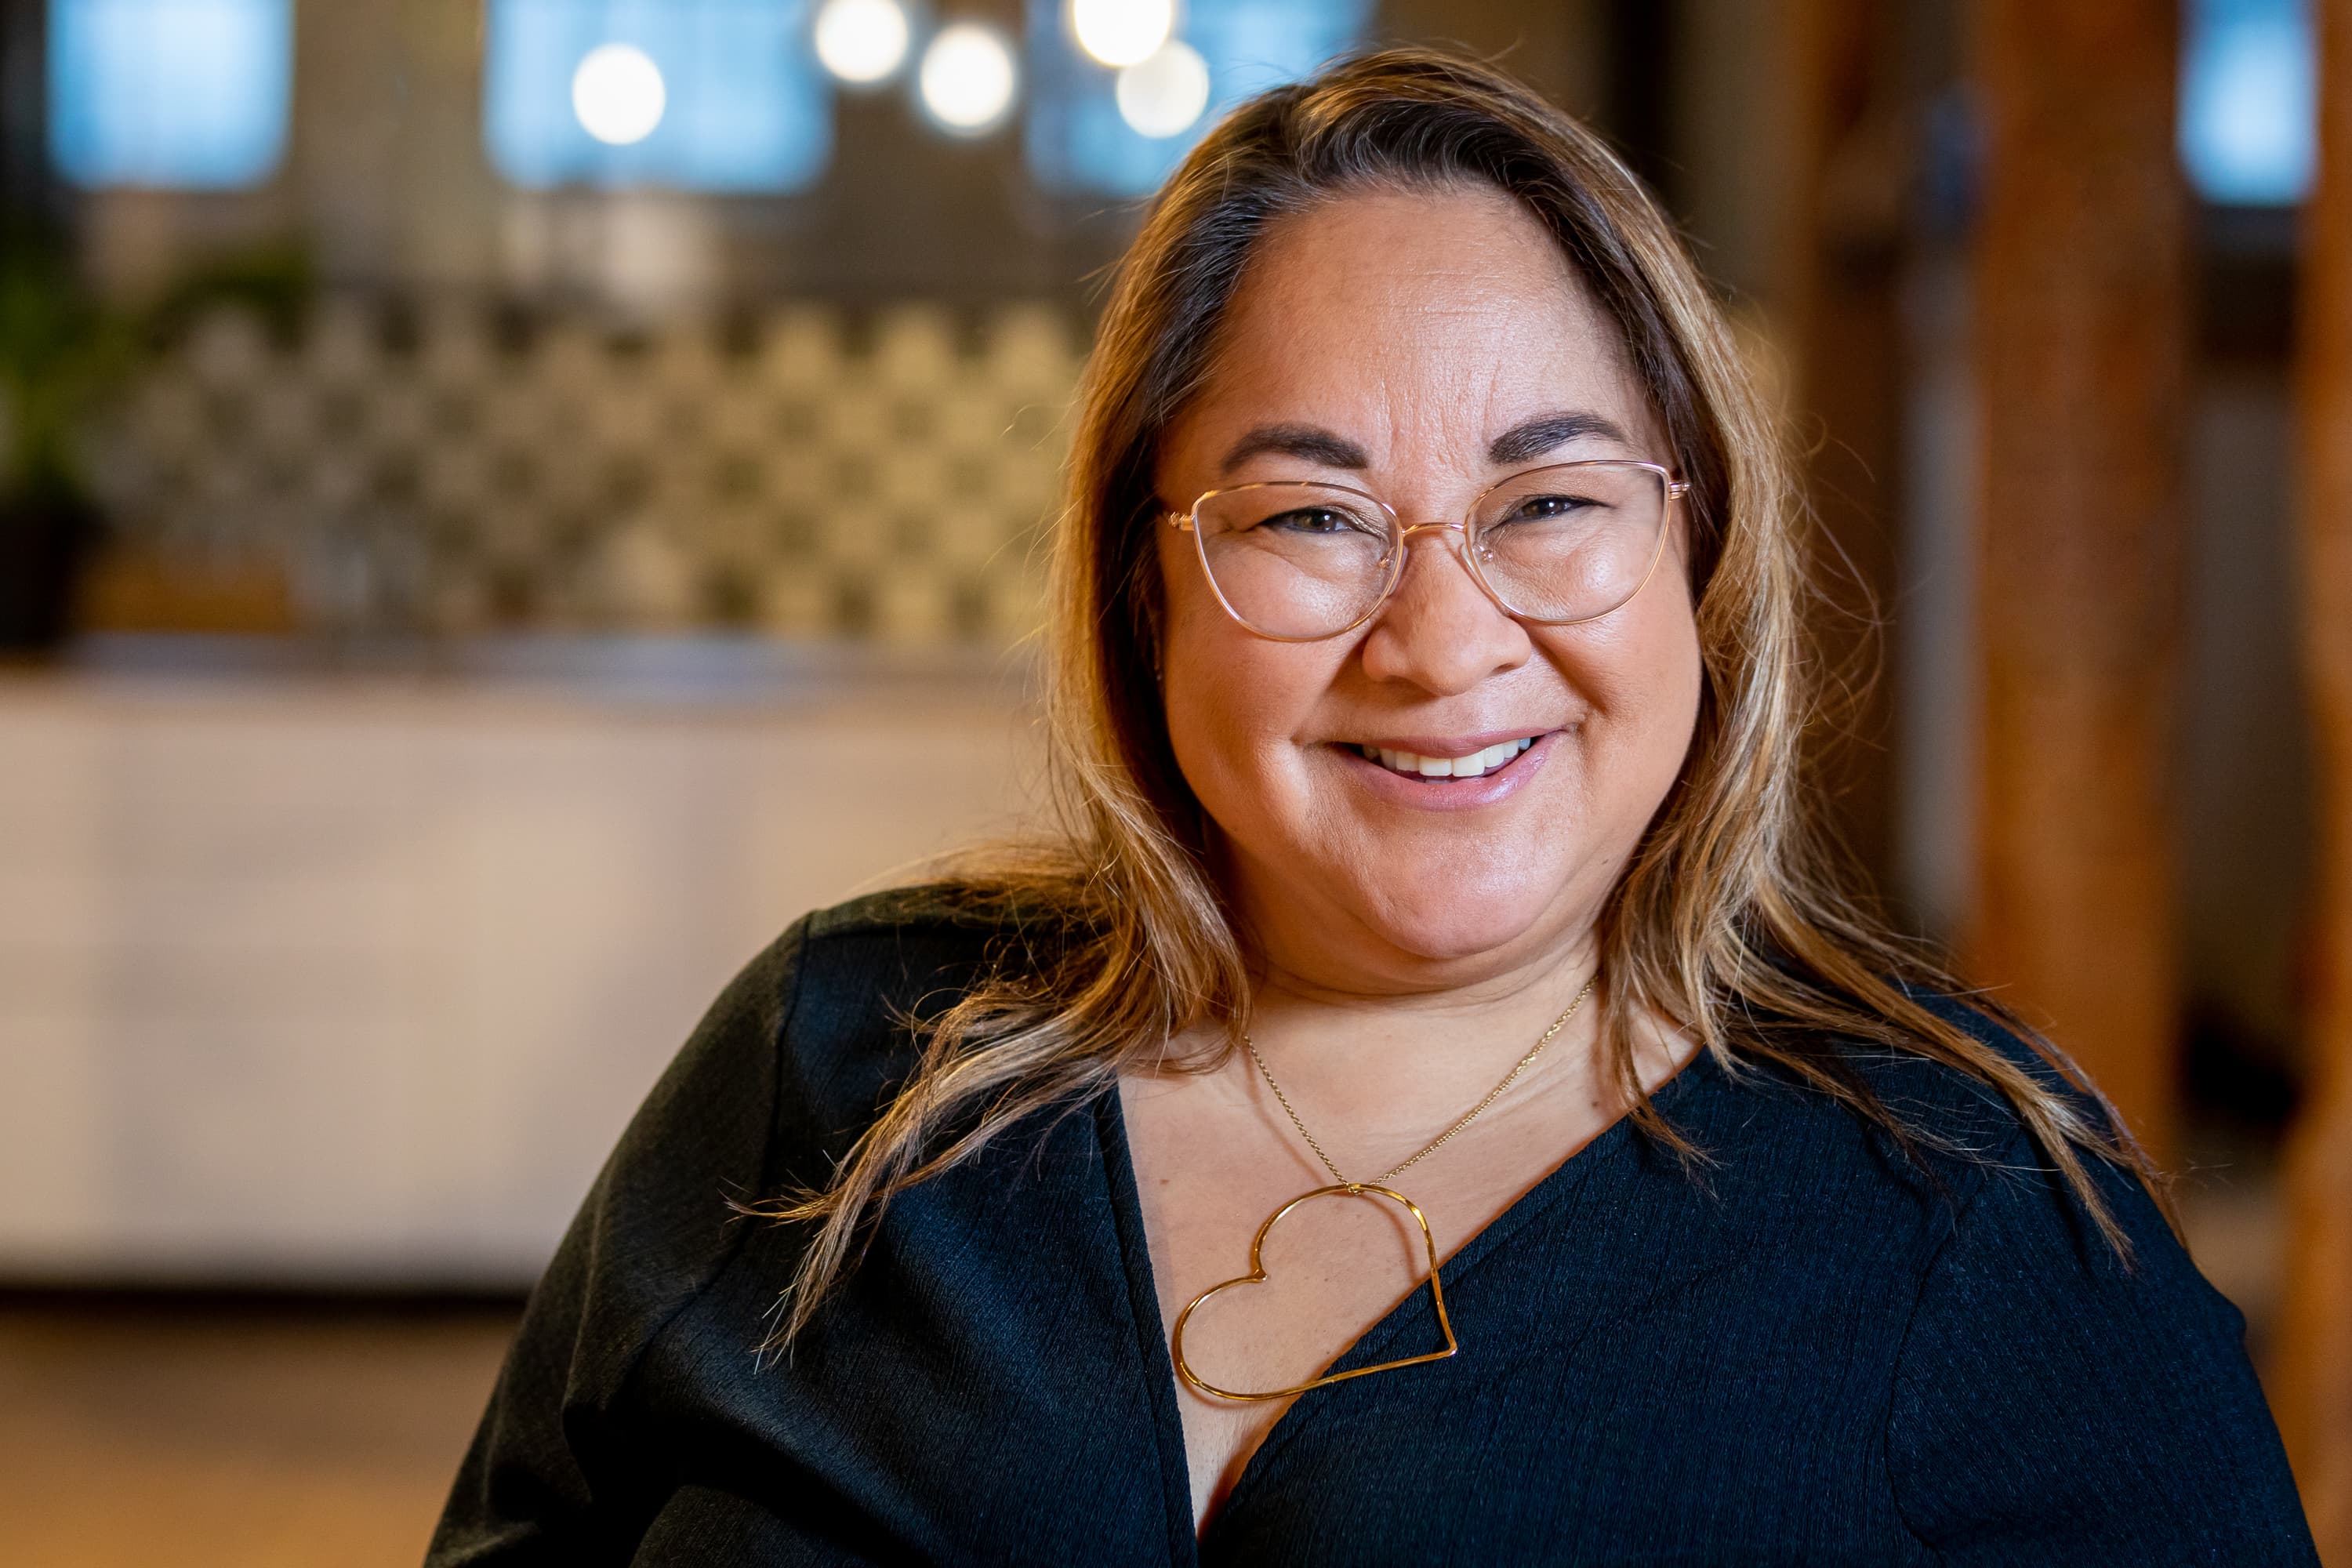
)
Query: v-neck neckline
[{"x": 1549, "y": 1190}]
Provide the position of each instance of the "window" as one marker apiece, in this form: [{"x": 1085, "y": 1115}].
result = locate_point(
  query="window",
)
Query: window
[
  {"x": 706, "y": 95},
  {"x": 1077, "y": 140},
  {"x": 2248, "y": 109},
  {"x": 188, "y": 93}
]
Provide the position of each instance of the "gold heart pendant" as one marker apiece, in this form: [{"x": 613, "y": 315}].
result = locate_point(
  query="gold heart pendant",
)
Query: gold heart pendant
[{"x": 1257, "y": 1275}]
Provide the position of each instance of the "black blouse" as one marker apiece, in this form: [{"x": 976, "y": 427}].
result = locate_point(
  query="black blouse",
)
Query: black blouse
[{"x": 1810, "y": 1355}]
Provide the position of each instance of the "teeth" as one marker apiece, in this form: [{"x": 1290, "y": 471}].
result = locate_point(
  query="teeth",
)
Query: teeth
[{"x": 1469, "y": 767}]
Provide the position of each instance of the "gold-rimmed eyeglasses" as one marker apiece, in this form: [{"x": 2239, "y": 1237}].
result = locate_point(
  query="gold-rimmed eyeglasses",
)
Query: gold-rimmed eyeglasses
[{"x": 1301, "y": 560}]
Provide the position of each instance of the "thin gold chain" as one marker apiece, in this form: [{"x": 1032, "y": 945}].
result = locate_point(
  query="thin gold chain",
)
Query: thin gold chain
[{"x": 1434, "y": 1144}]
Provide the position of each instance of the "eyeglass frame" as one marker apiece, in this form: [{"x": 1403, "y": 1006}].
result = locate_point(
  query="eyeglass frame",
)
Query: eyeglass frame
[{"x": 1401, "y": 537}]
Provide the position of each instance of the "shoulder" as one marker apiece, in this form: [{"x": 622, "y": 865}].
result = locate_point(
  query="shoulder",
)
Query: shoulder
[
  {"x": 913, "y": 930},
  {"x": 2057, "y": 1392},
  {"x": 1930, "y": 1137},
  {"x": 810, "y": 1036},
  {"x": 831, "y": 1009},
  {"x": 2030, "y": 1229},
  {"x": 783, "y": 1070},
  {"x": 1940, "y": 1112},
  {"x": 1955, "y": 1102},
  {"x": 789, "y": 1064},
  {"x": 2054, "y": 1395},
  {"x": 894, "y": 956},
  {"x": 921, "y": 907},
  {"x": 2030, "y": 1305}
]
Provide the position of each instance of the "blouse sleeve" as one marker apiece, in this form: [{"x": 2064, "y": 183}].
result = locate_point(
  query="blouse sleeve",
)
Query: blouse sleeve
[
  {"x": 552, "y": 1476},
  {"x": 2052, "y": 1407}
]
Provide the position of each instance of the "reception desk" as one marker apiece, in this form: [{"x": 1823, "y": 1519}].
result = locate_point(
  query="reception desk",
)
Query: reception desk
[{"x": 348, "y": 977}]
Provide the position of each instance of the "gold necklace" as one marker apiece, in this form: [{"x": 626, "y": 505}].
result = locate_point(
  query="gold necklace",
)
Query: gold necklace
[{"x": 1343, "y": 1187}]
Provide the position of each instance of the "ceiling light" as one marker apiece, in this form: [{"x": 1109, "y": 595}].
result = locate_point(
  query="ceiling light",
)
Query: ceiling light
[
  {"x": 1121, "y": 32},
  {"x": 1164, "y": 94},
  {"x": 967, "y": 79},
  {"x": 618, "y": 93},
  {"x": 862, "y": 41}
]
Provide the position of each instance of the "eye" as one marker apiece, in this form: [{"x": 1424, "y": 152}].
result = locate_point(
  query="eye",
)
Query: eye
[
  {"x": 1547, "y": 508},
  {"x": 1314, "y": 520}
]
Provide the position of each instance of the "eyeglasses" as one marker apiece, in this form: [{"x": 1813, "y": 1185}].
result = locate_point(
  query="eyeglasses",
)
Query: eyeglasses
[{"x": 1299, "y": 560}]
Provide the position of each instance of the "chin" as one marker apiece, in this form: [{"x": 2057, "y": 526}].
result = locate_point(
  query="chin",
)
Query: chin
[{"x": 1444, "y": 921}]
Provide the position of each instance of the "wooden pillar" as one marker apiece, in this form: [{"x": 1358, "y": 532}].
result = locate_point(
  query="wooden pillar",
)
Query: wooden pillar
[
  {"x": 1853, "y": 137},
  {"x": 2081, "y": 340},
  {"x": 2310, "y": 1381}
]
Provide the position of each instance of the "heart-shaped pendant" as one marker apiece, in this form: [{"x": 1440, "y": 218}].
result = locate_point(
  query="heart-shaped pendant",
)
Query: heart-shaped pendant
[{"x": 1257, "y": 1275}]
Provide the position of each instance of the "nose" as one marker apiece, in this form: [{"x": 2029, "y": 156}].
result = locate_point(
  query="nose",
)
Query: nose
[{"x": 1440, "y": 630}]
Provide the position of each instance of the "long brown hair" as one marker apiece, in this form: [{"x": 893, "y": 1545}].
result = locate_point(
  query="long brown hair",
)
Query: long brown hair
[{"x": 1733, "y": 919}]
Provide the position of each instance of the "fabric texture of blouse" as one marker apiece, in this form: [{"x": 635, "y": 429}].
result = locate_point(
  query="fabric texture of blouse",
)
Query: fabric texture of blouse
[{"x": 1814, "y": 1355}]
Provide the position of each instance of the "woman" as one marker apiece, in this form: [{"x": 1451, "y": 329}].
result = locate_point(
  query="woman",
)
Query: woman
[{"x": 1432, "y": 1104}]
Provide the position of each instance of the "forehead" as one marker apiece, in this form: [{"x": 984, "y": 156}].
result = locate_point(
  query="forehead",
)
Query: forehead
[{"x": 1406, "y": 319}]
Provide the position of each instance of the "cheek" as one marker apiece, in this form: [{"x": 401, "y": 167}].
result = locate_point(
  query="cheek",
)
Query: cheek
[
  {"x": 1232, "y": 700},
  {"x": 1663, "y": 666},
  {"x": 1641, "y": 671}
]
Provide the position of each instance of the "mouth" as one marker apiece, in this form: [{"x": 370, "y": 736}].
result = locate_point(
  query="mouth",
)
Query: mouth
[{"x": 1478, "y": 763}]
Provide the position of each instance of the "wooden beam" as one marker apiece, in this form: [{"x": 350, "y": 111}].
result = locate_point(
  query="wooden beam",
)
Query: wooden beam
[
  {"x": 1853, "y": 169},
  {"x": 2081, "y": 337},
  {"x": 2311, "y": 1382}
]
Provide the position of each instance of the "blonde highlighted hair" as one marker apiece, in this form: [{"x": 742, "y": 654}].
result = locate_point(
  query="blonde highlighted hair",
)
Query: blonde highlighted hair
[{"x": 1732, "y": 920}]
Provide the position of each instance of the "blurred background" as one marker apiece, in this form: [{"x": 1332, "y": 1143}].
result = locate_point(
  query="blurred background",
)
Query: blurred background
[{"x": 504, "y": 504}]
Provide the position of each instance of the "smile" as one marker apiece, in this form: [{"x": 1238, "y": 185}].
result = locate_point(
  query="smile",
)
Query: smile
[{"x": 1477, "y": 764}]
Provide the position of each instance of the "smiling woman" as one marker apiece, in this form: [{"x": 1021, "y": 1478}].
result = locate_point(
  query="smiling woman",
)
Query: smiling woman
[{"x": 1429, "y": 692}]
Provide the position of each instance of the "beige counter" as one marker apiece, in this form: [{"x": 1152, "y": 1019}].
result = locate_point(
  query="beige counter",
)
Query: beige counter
[{"x": 351, "y": 978}]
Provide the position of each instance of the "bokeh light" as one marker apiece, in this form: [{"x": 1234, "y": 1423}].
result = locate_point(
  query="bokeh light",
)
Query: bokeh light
[
  {"x": 1162, "y": 94},
  {"x": 2248, "y": 110},
  {"x": 862, "y": 41},
  {"x": 618, "y": 94},
  {"x": 968, "y": 79},
  {"x": 1122, "y": 32}
]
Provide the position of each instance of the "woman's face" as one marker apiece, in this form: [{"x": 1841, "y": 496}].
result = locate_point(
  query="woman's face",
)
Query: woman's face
[{"x": 1406, "y": 343}]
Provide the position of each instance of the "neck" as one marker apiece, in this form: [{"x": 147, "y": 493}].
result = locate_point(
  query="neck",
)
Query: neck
[{"x": 1383, "y": 1064}]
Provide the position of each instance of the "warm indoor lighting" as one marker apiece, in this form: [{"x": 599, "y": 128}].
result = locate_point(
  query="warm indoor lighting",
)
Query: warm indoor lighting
[
  {"x": 618, "y": 93},
  {"x": 1165, "y": 93},
  {"x": 967, "y": 79},
  {"x": 1122, "y": 32},
  {"x": 862, "y": 41}
]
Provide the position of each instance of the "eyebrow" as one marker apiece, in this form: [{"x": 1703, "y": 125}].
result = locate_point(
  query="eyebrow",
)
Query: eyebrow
[
  {"x": 1308, "y": 441},
  {"x": 1546, "y": 432},
  {"x": 1528, "y": 438}
]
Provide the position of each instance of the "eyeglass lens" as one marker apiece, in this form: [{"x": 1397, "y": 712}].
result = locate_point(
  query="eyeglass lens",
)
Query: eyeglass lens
[{"x": 1556, "y": 544}]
